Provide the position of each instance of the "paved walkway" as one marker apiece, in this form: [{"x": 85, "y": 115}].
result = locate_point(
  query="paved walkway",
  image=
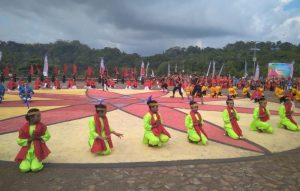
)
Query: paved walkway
[{"x": 270, "y": 172}]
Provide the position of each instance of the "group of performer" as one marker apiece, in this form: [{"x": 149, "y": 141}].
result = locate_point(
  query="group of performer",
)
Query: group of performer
[
  {"x": 203, "y": 85},
  {"x": 34, "y": 134}
]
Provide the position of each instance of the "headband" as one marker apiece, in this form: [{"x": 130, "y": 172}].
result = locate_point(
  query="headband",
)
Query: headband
[
  {"x": 153, "y": 104},
  {"x": 32, "y": 113},
  {"x": 100, "y": 109}
]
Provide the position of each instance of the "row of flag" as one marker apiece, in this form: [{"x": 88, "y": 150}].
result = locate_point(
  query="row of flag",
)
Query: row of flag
[
  {"x": 89, "y": 71},
  {"x": 256, "y": 69},
  {"x": 104, "y": 70}
]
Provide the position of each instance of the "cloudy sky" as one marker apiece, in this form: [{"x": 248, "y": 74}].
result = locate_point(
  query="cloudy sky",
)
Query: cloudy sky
[{"x": 148, "y": 27}]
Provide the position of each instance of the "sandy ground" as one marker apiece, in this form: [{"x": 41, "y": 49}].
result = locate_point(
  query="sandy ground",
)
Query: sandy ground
[{"x": 69, "y": 139}]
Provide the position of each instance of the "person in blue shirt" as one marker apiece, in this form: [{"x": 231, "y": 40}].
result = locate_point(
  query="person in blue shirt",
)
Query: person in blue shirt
[
  {"x": 25, "y": 93},
  {"x": 2, "y": 91}
]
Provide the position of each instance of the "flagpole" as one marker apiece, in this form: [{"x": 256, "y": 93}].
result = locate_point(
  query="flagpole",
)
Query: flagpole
[
  {"x": 208, "y": 69},
  {"x": 254, "y": 57},
  {"x": 256, "y": 76},
  {"x": 147, "y": 68},
  {"x": 245, "y": 75},
  {"x": 214, "y": 68},
  {"x": 221, "y": 70}
]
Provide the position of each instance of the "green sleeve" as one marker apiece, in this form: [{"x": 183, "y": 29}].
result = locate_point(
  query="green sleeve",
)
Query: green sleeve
[
  {"x": 22, "y": 142},
  {"x": 46, "y": 136},
  {"x": 282, "y": 112},
  {"x": 226, "y": 118},
  {"x": 189, "y": 122},
  {"x": 147, "y": 122},
  {"x": 92, "y": 127},
  {"x": 256, "y": 113}
]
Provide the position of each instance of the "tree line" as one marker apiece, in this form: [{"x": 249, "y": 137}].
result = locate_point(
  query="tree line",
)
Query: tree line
[{"x": 19, "y": 57}]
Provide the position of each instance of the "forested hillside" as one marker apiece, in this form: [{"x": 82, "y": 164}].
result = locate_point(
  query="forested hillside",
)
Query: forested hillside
[{"x": 19, "y": 57}]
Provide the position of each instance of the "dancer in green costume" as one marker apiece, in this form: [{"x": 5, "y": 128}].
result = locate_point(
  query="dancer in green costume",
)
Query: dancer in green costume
[
  {"x": 230, "y": 118},
  {"x": 100, "y": 132},
  {"x": 285, "y": 113},
  {"x": 260, "y": 117},
  {"x": 32, "y": 138},
  {"x": 155, "y": 134},
  {"x": 194, "y": 125}
]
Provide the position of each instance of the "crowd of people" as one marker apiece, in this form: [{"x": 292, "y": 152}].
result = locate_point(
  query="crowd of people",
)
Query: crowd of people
[
  {"x": 191, "y": 85},
  {"x": 187, "y": 85}
]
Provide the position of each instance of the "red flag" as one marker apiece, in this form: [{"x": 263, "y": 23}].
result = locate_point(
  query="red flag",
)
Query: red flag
[
  {"x": 55, "y": 70},
  {"x": 131, "y": 73},
  {"x": 125, "y": 72},
  {"x": 6, "y": 71},
  {"x": 38, "y": 69},
  {"x": 89, "y": 72},
  {"x": 65, "y": 69},
  {"x": 11, "y": 69},
  {"x": 74, "y": 69},
  {"x": 31, "y": 71},
  {"x": 116, "y": 71},
  {"x": 106, "y": 72}
]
